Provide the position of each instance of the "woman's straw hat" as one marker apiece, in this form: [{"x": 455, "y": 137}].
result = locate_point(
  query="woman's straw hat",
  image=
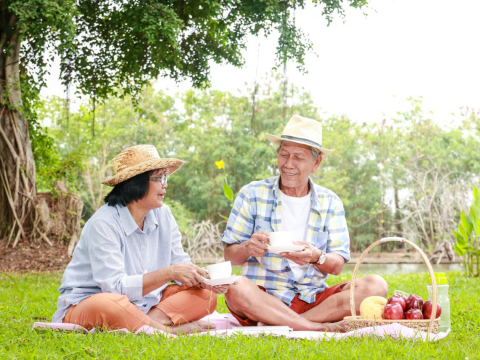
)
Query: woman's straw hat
[
  {"x": 139, "y": 159},
  {"x": 302, "y": 130}
]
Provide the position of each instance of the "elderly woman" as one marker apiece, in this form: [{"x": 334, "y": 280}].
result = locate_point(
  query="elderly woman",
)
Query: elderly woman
[{"x": 129, "y": 252}]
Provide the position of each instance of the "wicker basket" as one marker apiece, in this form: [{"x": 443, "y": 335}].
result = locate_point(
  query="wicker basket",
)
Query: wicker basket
[{"x": 355, "y": 322}]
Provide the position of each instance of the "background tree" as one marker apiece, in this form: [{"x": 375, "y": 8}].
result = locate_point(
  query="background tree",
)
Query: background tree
[
  {"x": 389, "y": 175},
  {"x": 116, "y": 47}
]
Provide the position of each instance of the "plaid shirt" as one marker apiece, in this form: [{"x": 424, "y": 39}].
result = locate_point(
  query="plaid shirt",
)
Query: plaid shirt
[{"x": 258, "y": 207}]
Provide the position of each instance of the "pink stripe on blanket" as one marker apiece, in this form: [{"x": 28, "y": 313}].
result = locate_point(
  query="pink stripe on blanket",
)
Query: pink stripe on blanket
[{"x": 73, "y": 327}]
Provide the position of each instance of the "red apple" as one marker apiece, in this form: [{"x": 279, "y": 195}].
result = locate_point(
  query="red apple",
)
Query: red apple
[
  {"x": 401, "y": 295},
  {"x": 413, "y": 314},
  {"x": 414, "y": 302},
  {"x": 393, "y": 312},
  {"x": 428, "y": 307},
  {"x": 398, "y": 299}
]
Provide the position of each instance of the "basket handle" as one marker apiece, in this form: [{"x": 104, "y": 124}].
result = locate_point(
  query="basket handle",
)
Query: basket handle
[{"x": 427, "y": 262}]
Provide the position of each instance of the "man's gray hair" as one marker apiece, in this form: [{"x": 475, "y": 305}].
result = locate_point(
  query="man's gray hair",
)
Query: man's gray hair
[{"x": 315, "y": 152}]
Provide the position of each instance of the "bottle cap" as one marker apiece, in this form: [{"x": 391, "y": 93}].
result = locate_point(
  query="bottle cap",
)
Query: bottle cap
[
  {"x": 440, "y": 278},
  {"x": 442, "y": 281}
]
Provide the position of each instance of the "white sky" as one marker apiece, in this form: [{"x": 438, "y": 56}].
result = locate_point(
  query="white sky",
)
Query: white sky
[{"x": 366, "y": 67}]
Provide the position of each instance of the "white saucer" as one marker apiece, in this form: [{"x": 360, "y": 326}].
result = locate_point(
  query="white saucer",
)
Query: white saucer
[
  {"x": 285, "y": 248},
  {"x": 221, "y": 281}
]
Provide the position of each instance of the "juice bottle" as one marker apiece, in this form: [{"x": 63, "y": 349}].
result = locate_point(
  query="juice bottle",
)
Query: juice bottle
[{"x": 443, "y": 300}]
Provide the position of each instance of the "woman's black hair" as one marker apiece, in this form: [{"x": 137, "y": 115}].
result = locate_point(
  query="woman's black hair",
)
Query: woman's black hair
[{"x": 133, "y": 189}]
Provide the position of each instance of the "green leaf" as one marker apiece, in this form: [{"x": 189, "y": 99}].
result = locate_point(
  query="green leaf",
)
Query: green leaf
[
  {"x": 458, "y": 250},
  {"x": 228, "y": 192},
  {"x": 223, "y": 217},
  {"x": 476, "y": 201},
  {"x": 460, "y": 240},
  {"x": 476, "y": 209},
  {"x": 475, "y": 221},
  {"x": 462, "y": 232},
  {"x": 466, "y": 222},
  {"x": 469, "y": 247}
]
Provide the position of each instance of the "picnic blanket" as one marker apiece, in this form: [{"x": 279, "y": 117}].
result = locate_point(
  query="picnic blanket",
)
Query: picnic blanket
[{"x": 227, "y": 325}]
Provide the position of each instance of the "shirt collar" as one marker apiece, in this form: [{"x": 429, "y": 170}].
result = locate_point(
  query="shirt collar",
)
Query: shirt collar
[
  {"x": 313, "y": 193},
  {"x": 130, "y": 226},
  {"x": 150, "y": 223},
  {"x": 126, "y": 220},
  {"x": 316, "y": 206}
]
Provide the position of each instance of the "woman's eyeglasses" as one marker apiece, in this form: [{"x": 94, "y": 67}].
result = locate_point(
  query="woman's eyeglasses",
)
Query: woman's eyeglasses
[{"x": 160, "y": 179}]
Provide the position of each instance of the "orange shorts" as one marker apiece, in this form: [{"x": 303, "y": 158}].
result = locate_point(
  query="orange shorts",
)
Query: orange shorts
[
  {"x": 297, "y": 305},
  {"x": 114, "y": 311}
]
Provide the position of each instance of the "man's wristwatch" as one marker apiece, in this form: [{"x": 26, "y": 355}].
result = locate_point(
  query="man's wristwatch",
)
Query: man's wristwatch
[{"x": 322, "y": 258}]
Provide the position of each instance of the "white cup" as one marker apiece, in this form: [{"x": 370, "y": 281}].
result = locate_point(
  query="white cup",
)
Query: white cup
[
  {"x": 281, "y": 238},
  {"x": 220, "y": 271}
]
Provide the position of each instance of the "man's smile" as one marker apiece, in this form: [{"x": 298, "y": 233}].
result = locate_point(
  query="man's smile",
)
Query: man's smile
[{"x": 289, "y": 173}]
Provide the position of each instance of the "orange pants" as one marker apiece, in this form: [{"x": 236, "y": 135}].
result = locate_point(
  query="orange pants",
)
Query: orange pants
[{"x": 114, "y": 311}]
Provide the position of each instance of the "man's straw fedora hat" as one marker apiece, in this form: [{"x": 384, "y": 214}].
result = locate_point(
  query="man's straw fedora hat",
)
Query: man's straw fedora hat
[
  {"x": 302, "y": 130},
  {"x": 137, "y": 160}
]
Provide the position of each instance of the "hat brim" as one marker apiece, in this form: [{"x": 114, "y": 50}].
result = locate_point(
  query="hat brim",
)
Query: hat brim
[
  {"x": 170, "y": 164},
  {"x": 276, "y": 140}
]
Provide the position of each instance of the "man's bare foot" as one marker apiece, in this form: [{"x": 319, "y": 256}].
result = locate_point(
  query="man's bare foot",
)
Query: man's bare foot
[
  {"x": 191, "y": 327},
  {"x": 339, "y": 326}
]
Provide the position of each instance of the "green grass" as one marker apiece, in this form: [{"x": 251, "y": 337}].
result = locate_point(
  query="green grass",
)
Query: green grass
[{"x": 26, "y": 298}]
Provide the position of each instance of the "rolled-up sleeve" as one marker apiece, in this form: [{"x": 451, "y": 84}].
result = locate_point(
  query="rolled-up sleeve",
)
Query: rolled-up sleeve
[
  {"x": 240, "y": 222},
  {"x": 108, "y": 263},
  {"x": 338, "y": 238}
]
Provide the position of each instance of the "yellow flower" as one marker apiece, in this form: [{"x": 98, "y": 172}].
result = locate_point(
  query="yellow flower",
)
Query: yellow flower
[{"x": 219, "y": 164}]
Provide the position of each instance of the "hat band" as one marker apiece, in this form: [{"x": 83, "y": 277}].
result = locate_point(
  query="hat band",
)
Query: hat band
[{"x": 306, "y": 141}]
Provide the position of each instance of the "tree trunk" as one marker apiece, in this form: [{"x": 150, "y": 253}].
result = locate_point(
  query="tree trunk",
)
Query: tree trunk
[
  {"x": 17, "y": 175},
  {"x": 17, "y": 166}
]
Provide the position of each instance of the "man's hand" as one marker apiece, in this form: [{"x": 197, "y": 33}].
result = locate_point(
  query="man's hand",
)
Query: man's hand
[
  {"x": 308, "y": 255},
  {"x": 187, "y": 274},
  {"x": 256, "y": 245}
]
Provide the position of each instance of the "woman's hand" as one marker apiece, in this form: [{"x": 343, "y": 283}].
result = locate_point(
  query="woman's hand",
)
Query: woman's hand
[
  {"x": 218, "y": 289},
  {"x": 187, "y": 274}
]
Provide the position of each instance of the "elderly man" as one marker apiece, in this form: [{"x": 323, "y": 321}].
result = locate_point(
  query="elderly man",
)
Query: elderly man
[{"x": 289, "y": 288}]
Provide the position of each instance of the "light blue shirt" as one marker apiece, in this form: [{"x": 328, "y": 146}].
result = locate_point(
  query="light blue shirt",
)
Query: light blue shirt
[{"x": 113, "y": 254}]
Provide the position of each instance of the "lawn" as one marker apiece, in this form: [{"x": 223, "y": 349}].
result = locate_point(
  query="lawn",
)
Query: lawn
[{"x": 26, "y": 298}]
